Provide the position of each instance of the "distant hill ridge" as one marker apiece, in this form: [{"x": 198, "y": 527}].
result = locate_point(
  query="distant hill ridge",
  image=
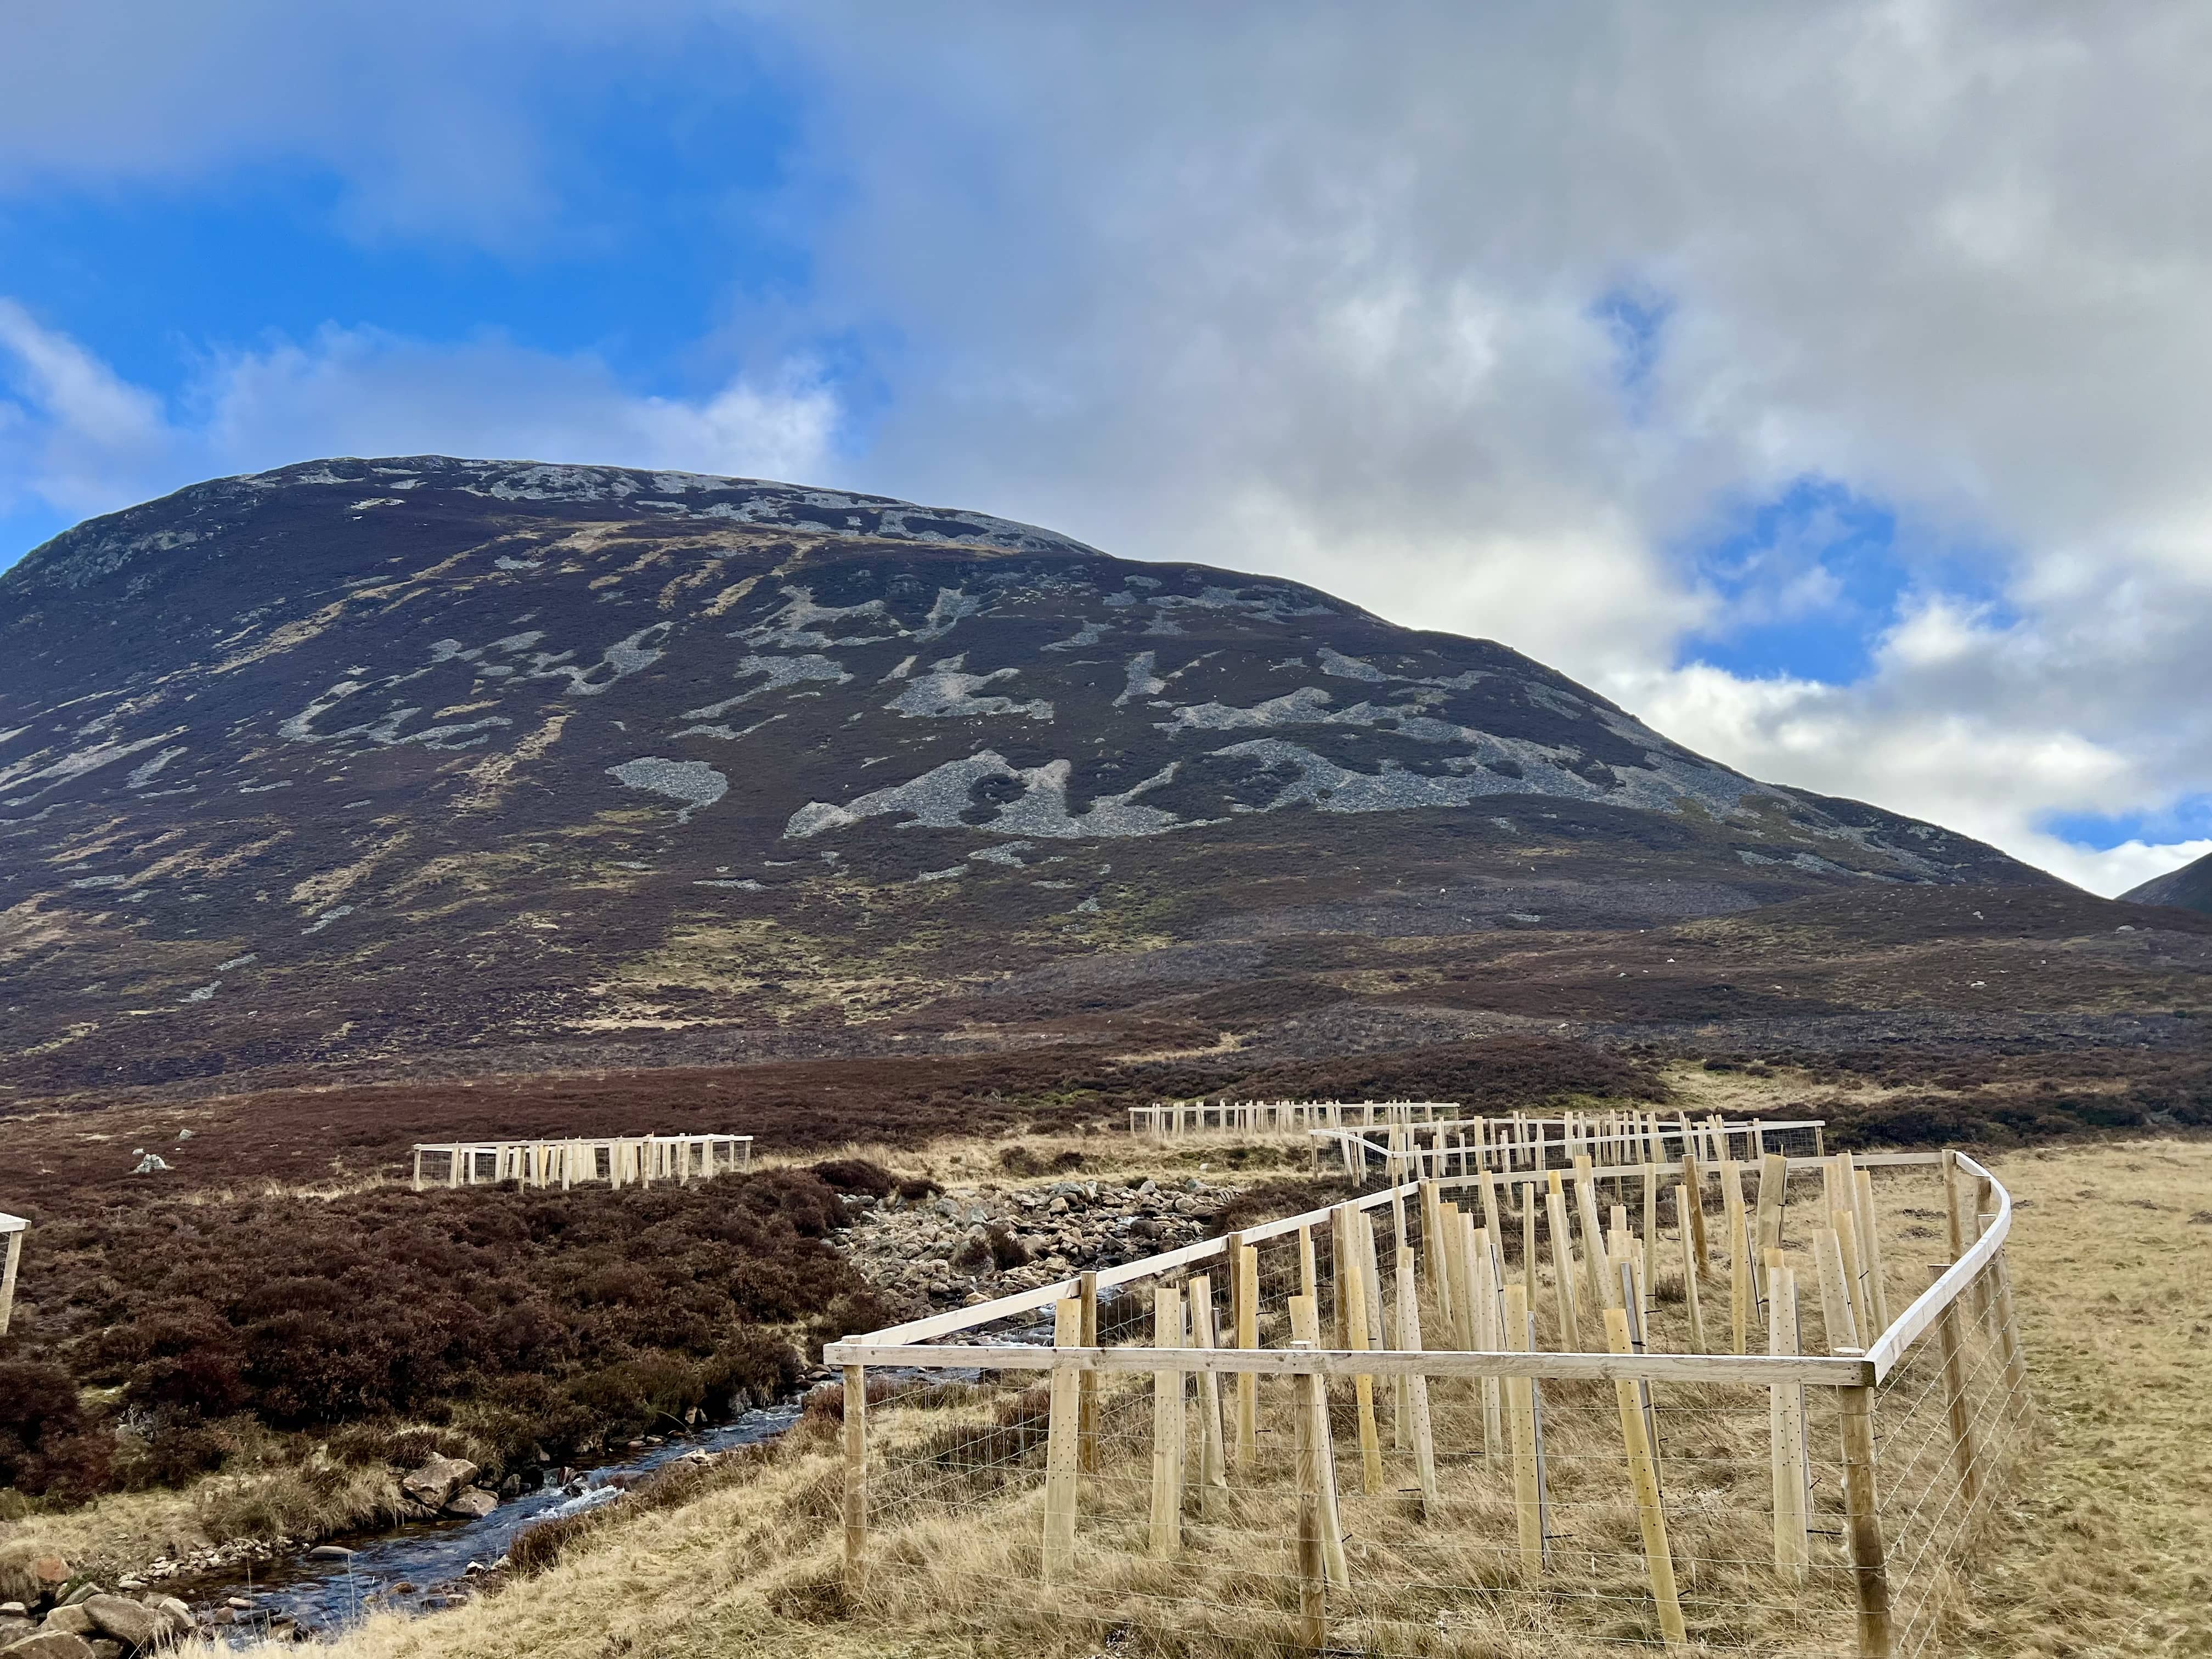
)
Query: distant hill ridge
[
  {"x": 2189, "y": 888},
  {"x": 408, "y": 756}
]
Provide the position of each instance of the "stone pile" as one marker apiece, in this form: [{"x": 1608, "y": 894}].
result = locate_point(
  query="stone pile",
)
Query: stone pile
[{"x": 973, "y": 1243}]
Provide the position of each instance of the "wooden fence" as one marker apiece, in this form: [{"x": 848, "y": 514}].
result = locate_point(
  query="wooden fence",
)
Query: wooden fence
[
  {"x": 1165, "y": 1119},
  {"x": 618, "y": 1160},
  {"x": 1460, "y": 1147},
  {"x": 1558, "y": 1432},
  {"x": 12, "y": 1229}
]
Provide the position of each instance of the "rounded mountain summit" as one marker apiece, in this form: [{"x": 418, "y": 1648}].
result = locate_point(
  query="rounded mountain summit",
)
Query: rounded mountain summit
[{"x": 381, "y": 759}]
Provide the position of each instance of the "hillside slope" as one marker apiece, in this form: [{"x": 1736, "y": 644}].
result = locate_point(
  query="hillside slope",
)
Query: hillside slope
[
  {"x": 2189, "y": 888},
  {"x": 398, "y": 761}
]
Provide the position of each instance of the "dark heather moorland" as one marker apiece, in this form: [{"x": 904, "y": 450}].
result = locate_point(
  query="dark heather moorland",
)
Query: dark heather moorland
[{"x": 370, "y": 802}]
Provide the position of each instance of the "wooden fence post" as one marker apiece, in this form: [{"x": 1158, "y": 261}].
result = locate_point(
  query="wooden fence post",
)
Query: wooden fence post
[
  {"x": 1527, "y": 1479},
  {"x": 1352, "y": 1305},
  {"x": 1786, "y": 1427},
  {"x": 2015, "y": 1365},
  {"x": 1167, "y": 1427},
  {"x": 1693, "y": 1308},
  {"x": 1247, "y": 1311},
  {"x": 1307, "y": 1408},
  {"x": 1487, "y": 1337},
  {"x": 1563, "y": 1266},
  {"x": 1643, "y": 1477},
  {"x": 1742, "y": 1291},
  {"x": 1694, "y": 1180},
  {"x": 1086, "y": 1295},
  {"x": 1961, "y": 1409},
  {"x": 1305, "y": 1326},
  {"x": 856, "y": 1478},
  {"x": 1408, "y": 1335},
  {"x": 1836, "y": 1314},
  {"x": 1869, "y": 1568},
  {"x": 13, "y": 1252},
  {"x": 1870, "y": 1256},
  {"x": 1213, "y": 1461},
  {"x": 1603, "y": 1293},
  {"x": 1062, "y": 1444}
]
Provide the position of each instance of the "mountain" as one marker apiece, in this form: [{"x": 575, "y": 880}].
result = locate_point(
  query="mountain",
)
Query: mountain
[
  {"x": 2189, "y": 888},
  {"x": 423, "y": 762}
]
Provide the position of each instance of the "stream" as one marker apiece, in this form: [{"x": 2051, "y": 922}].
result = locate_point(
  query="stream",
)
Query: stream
[{"x": 319, "y": 1598}]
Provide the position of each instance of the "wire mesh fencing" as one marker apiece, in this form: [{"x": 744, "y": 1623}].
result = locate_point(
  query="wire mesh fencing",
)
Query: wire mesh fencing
[{"x": 1499, "y": 1415}]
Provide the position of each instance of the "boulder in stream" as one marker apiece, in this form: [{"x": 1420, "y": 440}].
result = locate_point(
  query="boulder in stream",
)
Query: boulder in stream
[
  {"x": 471, "y": 1504},
  {"x": 437, "y": 1481}
]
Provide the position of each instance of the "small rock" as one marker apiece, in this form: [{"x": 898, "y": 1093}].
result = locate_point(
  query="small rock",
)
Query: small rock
[
  {"x": 128, "y": 1623},
  {"x": 70, "y": 1621},
  {"x": 331, "y": 1553},
  {"x": 243, "y": 1604},
  {"x": 14, "y": 1610},
  {"x": 472, "y": 1504},
  {"x": 50, "y": 1644}
]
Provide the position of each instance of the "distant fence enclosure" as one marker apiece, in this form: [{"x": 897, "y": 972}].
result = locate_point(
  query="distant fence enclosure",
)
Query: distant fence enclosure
[
  {"x": 617, "y": 1161},
  {"x": 1696, "y": 1402},
  {"x": 1400, "y": 1152}
]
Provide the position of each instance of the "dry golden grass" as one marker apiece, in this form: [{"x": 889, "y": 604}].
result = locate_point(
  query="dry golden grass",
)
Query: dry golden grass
[
  {"x": 2103, "y": 1549},
  {"x": 2107, "y": 1548}
]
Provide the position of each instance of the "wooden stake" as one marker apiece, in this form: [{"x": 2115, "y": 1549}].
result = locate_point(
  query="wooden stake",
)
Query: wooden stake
[
  {"x": 1870, "y": 1255},
  {"x": 2016, "y": 1364},
  {"x": 1786, "y": 1427},
  {"x": 1692, "y": 1307},
  {"x": 1305, "y": 1328},
  {"x": 1086, "y": 1294},
  {"x": 1836, "y": 1314},
  {"x": 1445, "y": 1258},
  {"x": 1869, "y": 1568},
  {"x": 1694, "y": 1180},
  {"x": 1741, "y": 1294},
  {"x": 1309, "y": 1407},
  {"x": 1212, "y": 1458},
  {"x": 1417, "y": 1392},
  {"x": 1351, "y": 1302},
  {"x": 1063, "y": 1436},
  {"x": 1960, "y": 1408},
  {"x": 1563, "y": 1267},
  {"x": 1487, "y": 1337},
  {"x": 1602, "y": 1291},
  {"x": 1773, "y": 1196},
  {"x": 1527, "y": 1479},
  {"x": 1847, "y": 1244},
  {"x": 1651, "y": 1226},
  {"x": 1244, "y": 1309},
  {"x": 856, "y": 1478},
  {"x": 1643, "y": 1476},
  {"x": 1167, "y": 1427}
]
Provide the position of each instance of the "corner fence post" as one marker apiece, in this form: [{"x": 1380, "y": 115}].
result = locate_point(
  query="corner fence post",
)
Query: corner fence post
[
  {"x": 856, "y": 1478},
  {"x": 1869, "y": 1566}
]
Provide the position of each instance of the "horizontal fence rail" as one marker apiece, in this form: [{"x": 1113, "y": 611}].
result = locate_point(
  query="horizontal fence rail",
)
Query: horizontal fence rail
[{"x": 1554, "y": 1409}]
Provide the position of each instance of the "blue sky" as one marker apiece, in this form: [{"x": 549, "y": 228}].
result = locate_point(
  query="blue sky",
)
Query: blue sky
[{"x": 1797, "y": 424}]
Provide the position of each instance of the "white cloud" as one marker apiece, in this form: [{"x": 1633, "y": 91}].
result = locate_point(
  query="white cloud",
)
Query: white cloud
[{"x": 85, "y": 442}]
